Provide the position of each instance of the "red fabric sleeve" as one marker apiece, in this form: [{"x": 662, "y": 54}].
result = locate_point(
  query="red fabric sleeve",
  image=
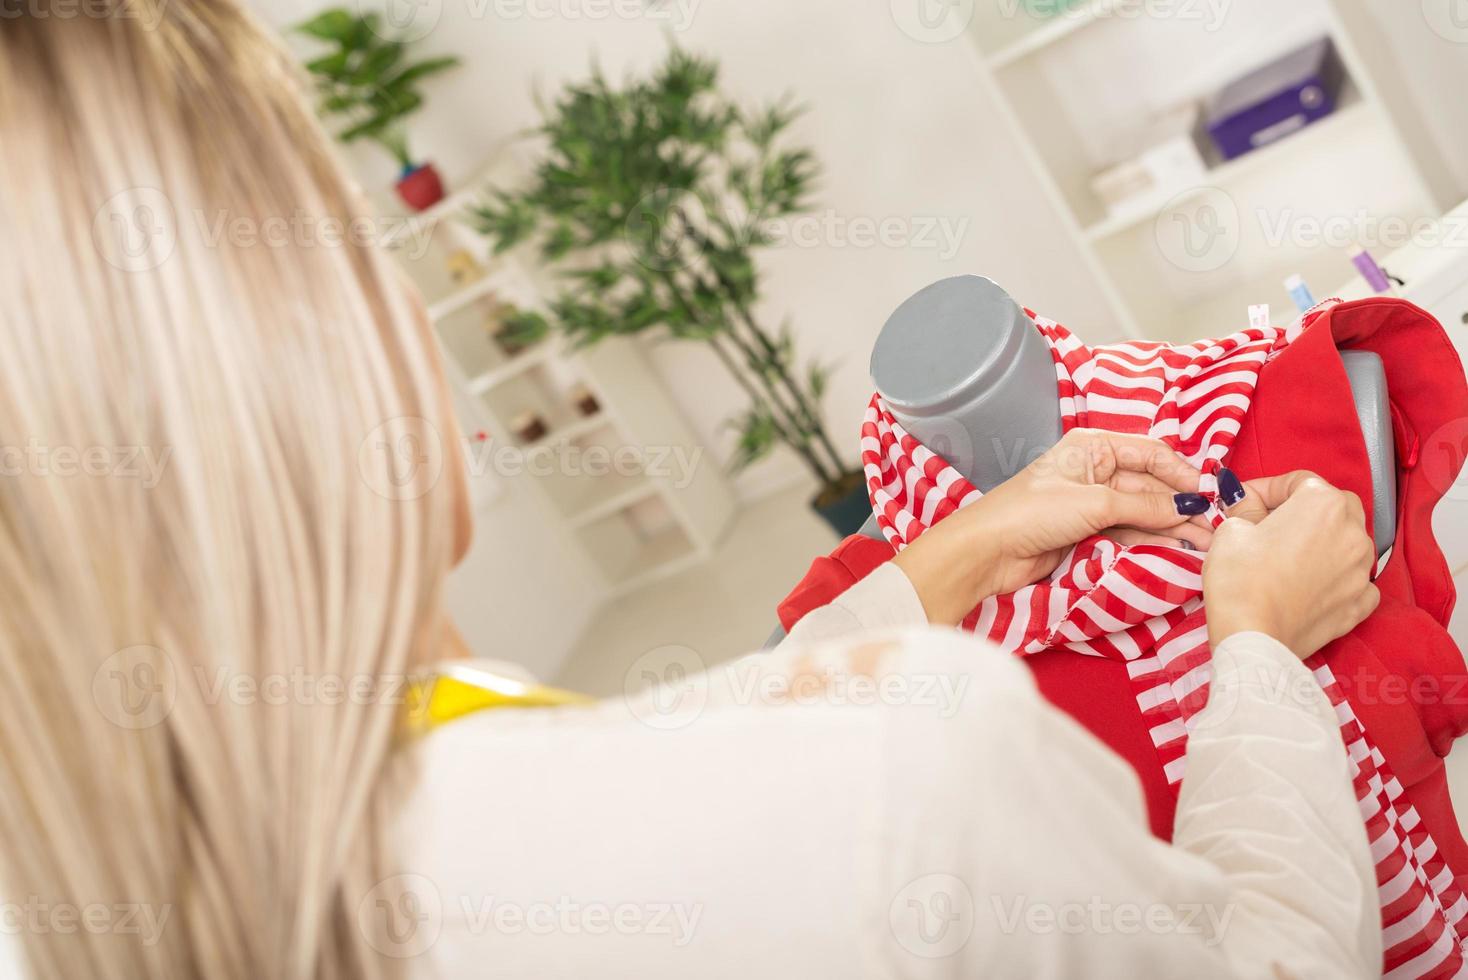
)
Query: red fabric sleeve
[{"x": 853, "y": 560}]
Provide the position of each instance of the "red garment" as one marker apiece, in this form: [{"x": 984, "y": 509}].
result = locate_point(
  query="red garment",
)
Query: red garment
[{"x": 1399, "y": 670}]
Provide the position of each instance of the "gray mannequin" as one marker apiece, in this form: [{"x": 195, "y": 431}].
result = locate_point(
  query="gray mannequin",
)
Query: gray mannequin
[{"x": 964, "y": 370}]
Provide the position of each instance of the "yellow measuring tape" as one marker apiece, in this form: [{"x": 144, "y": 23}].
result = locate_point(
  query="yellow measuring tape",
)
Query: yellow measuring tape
[{"x": 462, "y": 688}]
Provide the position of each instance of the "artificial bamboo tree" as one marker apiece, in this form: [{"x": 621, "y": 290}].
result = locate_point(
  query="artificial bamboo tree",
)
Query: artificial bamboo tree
[{"x": 652, "y": 198}]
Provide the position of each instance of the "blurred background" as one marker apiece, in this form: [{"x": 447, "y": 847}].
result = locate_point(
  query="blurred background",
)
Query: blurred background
[{"x": 658, "y": 240}]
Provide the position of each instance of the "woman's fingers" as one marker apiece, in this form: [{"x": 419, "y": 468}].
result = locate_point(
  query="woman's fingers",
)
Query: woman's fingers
[
  {"x": 1271, "y": 491},
  {"x": 1144, "y": 510},
  {"x": 1301, "y": 575},
  {"x": 1192, "y": 532},
  {"x": 1183, "y": 536},
  {"x": 1129, "y": 482},
  {"x": 1139, "y": 454},
  {"x": 1201, "y": 538}
]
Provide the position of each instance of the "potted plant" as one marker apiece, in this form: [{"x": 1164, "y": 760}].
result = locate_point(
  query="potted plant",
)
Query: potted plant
[
  {"x": 368, "y": 81},
  {"x": 652, "y": 199}
]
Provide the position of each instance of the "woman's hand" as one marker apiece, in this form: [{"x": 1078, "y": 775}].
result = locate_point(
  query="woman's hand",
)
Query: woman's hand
[
  {"x": 1089, "y": 482},
  {"x": 1301, "y": 574}
]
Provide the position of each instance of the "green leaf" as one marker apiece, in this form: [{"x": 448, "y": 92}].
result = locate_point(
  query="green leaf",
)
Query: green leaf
[
  {"x": 508, "y": 219},
  {"x": 560, "y": 241},
  {"x": 377, "y": 62},
  {"x": 423, "y": 69},
  {"x": 370, "y": 127},
  {"x": 523, "y": 327},
  {"x": 651, "y": 197},
  {"x": 330, "y": 25},
  {"x": 602, "y": 277},
  {"x": 331, "y": 65},
  {"x": 818, "y": 377},
  {"x": 758, "y": 435},
  {"x": 366, "y": 33},
  {"x": 366, "y": 81}
]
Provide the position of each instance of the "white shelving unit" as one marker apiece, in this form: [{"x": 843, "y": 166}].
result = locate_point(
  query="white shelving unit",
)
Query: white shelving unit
[
  {"x": 1072, "y": 84},
  {"x": 629, "y": 480}
]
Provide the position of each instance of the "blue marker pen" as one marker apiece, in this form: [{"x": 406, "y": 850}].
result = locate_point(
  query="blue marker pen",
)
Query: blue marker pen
[{"x": 1300, "y": 293}]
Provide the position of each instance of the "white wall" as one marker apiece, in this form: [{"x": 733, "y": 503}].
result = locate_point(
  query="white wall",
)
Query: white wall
[
  {"x": 526, "y": 590},
  {"x": 904, "y": 130},
  {"x": 1429, "y": 39}
]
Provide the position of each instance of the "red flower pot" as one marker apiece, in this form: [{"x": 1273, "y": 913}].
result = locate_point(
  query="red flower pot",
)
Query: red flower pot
[{"x": 420, "y": 187}]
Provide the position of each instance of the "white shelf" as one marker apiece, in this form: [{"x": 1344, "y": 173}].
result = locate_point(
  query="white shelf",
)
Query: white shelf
[
  {"x": 1062, "y": 26},
  {"x": 464, "y": 295},
  {"x": 660, "y": 556},
  {"x": 1069, "y": 94},
  {"x": 1350, "y": 109},
  {"x": 514, "y": 367},
  {"x": 630, "y": 528},
  {"x": 567, "y": 433},
  {"x": 633, "y": 490}
]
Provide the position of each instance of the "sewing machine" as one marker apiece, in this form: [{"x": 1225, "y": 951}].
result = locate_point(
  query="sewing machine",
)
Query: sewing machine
[{"x": 963, "y": 369}]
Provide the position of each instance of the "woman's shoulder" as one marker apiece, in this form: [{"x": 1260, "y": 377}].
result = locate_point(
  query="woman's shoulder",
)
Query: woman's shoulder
[{"x": 780, "y": 799}]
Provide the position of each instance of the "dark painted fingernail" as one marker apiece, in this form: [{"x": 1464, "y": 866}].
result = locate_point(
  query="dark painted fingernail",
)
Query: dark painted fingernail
[
  {"x": 1230, "y": 489},
  {"x": 1190, "y": 504},
  {"x": 1186, "y": 545}
]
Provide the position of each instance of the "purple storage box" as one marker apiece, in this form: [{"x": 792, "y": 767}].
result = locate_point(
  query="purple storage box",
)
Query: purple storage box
[{"x": 1274, "y": 101}]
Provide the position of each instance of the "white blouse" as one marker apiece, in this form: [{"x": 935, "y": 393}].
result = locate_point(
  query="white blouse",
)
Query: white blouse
[{"x": 878, "y": 799}]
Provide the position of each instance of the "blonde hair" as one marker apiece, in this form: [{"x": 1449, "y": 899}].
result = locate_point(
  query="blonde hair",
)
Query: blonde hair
[{"x": 136, "y": 140}]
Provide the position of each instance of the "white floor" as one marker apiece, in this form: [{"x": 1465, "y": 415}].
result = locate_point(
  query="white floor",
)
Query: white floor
[
  {"x": 727, "y": 608},
  {"x": 719, "y": 610}
]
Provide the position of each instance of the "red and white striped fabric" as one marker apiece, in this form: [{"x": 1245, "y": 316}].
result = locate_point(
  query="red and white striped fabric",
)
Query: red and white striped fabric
[{"x": 1143, "y": 605}]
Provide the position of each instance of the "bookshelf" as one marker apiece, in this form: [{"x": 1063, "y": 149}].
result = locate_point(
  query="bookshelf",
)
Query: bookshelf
[
  {"x": 592, "y": 430},
  {"x": 1072, "y": 82}
]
